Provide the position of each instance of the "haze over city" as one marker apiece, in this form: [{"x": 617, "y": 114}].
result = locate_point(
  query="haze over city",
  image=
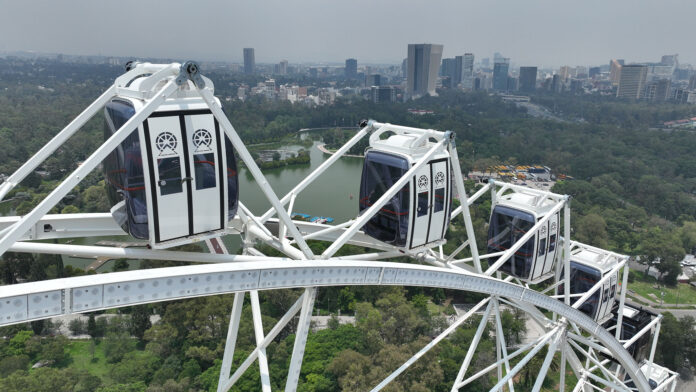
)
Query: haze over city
[
  {"x": 542, "y": 33},
  {"x": 310, "y": 195}
]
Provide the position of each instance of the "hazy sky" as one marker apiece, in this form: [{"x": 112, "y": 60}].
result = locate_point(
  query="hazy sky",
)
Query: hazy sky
[{"x": 530, "y": 32}]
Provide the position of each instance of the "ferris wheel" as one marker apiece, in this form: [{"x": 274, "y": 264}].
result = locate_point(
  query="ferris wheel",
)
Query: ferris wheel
[{"x": 411, "y": 192}]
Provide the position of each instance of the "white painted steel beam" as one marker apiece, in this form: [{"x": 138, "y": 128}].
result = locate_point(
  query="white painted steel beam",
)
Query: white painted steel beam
[
  {"x": 523, "y": 240},
  {"x": 39, "y": 300},
  {"x": 319, "y": 170},
  {"x": 367, "y": 215},
  {"x": 547, "y": 362},
  {"x": 502, "y": 344},
  {"x": 231, "y": 341},
  {"x": 470, "y": 200},
  {"x": 287, "y": 317},
  {"x": 57, "y": 141},
  {"x": 472, "y": 347},
  {"x": 430, "y": 345},
  {"x": 511, "y": 373},
  {"x": 18, "y": 229},
  {"x": 253, "y": 168},
  {"x": 577, "y": 304},
  {"x": 88, "y": 251},
  {"x": 490, "y": 367},
  {"x": 464, "y": 204},
  {"x": 300, "y": 339},
  {"x": 258, "y": 334}
]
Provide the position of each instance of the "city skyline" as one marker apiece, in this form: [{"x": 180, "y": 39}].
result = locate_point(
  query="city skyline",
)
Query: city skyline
[{"x": 582, "y": 35}]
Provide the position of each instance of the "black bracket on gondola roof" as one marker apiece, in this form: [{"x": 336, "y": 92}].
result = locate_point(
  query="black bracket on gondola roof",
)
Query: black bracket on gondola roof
[
  {"x": 449, "y": 137},
  {"x": 190, "y": 71}
]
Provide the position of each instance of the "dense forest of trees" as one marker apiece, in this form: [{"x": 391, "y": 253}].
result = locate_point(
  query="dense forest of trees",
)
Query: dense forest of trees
[{"x": 633, "y": 192}]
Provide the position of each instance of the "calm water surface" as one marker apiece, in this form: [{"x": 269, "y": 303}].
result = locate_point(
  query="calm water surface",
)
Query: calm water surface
[{"x": 329, "y": 195}]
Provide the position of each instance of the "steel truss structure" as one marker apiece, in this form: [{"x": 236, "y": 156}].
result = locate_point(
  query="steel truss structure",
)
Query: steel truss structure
[{"x": 597, "y": 357}]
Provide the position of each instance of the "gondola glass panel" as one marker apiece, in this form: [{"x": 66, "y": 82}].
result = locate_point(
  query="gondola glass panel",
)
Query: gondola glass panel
[
  {"x": 633, "y": 321},
  {"x": 589, "y": 265},
  {"x": 582, "y": 279},
  {"x": 512, "y": 217},
  {"x": 506, "y": 228},
  {"x": 380, "y": 172},
  {"x": 191, "y": 174}
]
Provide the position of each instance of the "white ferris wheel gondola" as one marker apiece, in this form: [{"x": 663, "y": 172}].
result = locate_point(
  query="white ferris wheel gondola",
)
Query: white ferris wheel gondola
[
  {"x": 418, "y": 215},
  {"x": 513, "y": 215},
  {"x": 169, "y": 160}
]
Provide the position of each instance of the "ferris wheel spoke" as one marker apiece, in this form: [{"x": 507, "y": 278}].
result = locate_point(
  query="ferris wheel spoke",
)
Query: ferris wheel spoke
[
  {"x": 541, "y": 344},
  {"x": 491, "y": 367},
  {"x": 231, "y": 342},
  {"x": 591, "y": 358},
  {"x": 502, "y": 345},
  {"x": 258, "y": 334},
  {"x": 300, "y": 338},
  {"x": 547, "y": 363},
  {"x": 472, "y": 347},
  {"x": 435, "y": 341},
  {"x": 287, "y": 317},
  {"x": 567, "y": 331}
]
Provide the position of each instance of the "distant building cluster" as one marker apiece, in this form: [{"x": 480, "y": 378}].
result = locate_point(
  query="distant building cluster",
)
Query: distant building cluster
[
  {"x": 536, "y": 176},
  {"x": 424, "y": 71},
  {"x": 666, "y": 80},
  {"x": 683, "y": 123},
  {"x": 288, "y": 92}
]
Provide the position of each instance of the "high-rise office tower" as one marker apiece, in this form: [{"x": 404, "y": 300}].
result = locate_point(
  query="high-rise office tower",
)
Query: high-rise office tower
[
  {"x": 500, "y": 74},
  {"x": 351, "y": 69},
  {"x": 283, "y": 67},
  {"x": 692, "y": 82},
  {"x": 595, "y": 71},
  {"x": 670, "y": 59},
  {"x": 383, "y": 94},
  {"x": 447, "y": 68},
  {"x": 556, "y": 84},
  {"x": 564, "y": 73},
  {"x": 528, "y": 76},
  {"x": 615, "y": 71},
  {"x": 468, "y": 70},
  {"x": 423, "y": 64},
  {"x": 659, "y": 90},
  {"x": 373, "y": 80},
  {"x": 632, "y": 81},
  {"x": 249, "y": 61},
  {"x": 458, "y": 68}
]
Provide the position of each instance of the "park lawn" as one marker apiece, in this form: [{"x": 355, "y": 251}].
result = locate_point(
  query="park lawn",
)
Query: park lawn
[
  {"x": 681, "y": 294},
  {"x": 79, "y": 351}
]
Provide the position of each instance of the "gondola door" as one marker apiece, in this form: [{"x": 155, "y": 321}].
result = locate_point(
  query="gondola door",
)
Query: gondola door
[
  {"x": 208, "y": 184},
  {"x": 608, "y": 293},
  {"x": 439, "y": 213},
  {"x": 420, "y": 219},
  {"x": 187, "y": 180}
]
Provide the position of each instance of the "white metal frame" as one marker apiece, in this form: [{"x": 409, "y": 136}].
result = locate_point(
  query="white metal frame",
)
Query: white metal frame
[{"x": 220, "y": 272}]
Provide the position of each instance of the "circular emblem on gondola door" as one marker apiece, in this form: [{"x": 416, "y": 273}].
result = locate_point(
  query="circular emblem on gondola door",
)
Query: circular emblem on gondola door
[
  {"x": 166, "y": 143},
  {"x": 543, "y": 230},
  {"x": 422, "y": 181},
  {"x": 202, "y": 140},
  {"x": 439, "y": 178},
  {"x": 553, "y": 226}
]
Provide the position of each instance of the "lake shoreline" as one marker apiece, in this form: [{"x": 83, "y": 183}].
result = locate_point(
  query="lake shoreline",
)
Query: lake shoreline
[{"x": 323, "y": 149}]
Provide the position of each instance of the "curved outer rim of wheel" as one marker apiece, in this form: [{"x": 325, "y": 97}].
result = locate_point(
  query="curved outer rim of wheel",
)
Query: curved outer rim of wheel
[{"x": 391, "y": 274}]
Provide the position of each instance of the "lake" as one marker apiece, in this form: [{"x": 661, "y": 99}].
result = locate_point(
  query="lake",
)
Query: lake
[{"x": 329, "y": 195}]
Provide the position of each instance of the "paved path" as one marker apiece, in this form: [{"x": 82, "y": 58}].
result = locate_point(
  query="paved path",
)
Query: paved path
[
  {"x": 322, "y": 322},
  {"x": 65, "y": 323},
  {"x": 323, "y": 149}
]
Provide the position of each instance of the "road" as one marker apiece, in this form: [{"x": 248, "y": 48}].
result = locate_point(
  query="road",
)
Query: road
[{"x": 652, "y": 306}]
